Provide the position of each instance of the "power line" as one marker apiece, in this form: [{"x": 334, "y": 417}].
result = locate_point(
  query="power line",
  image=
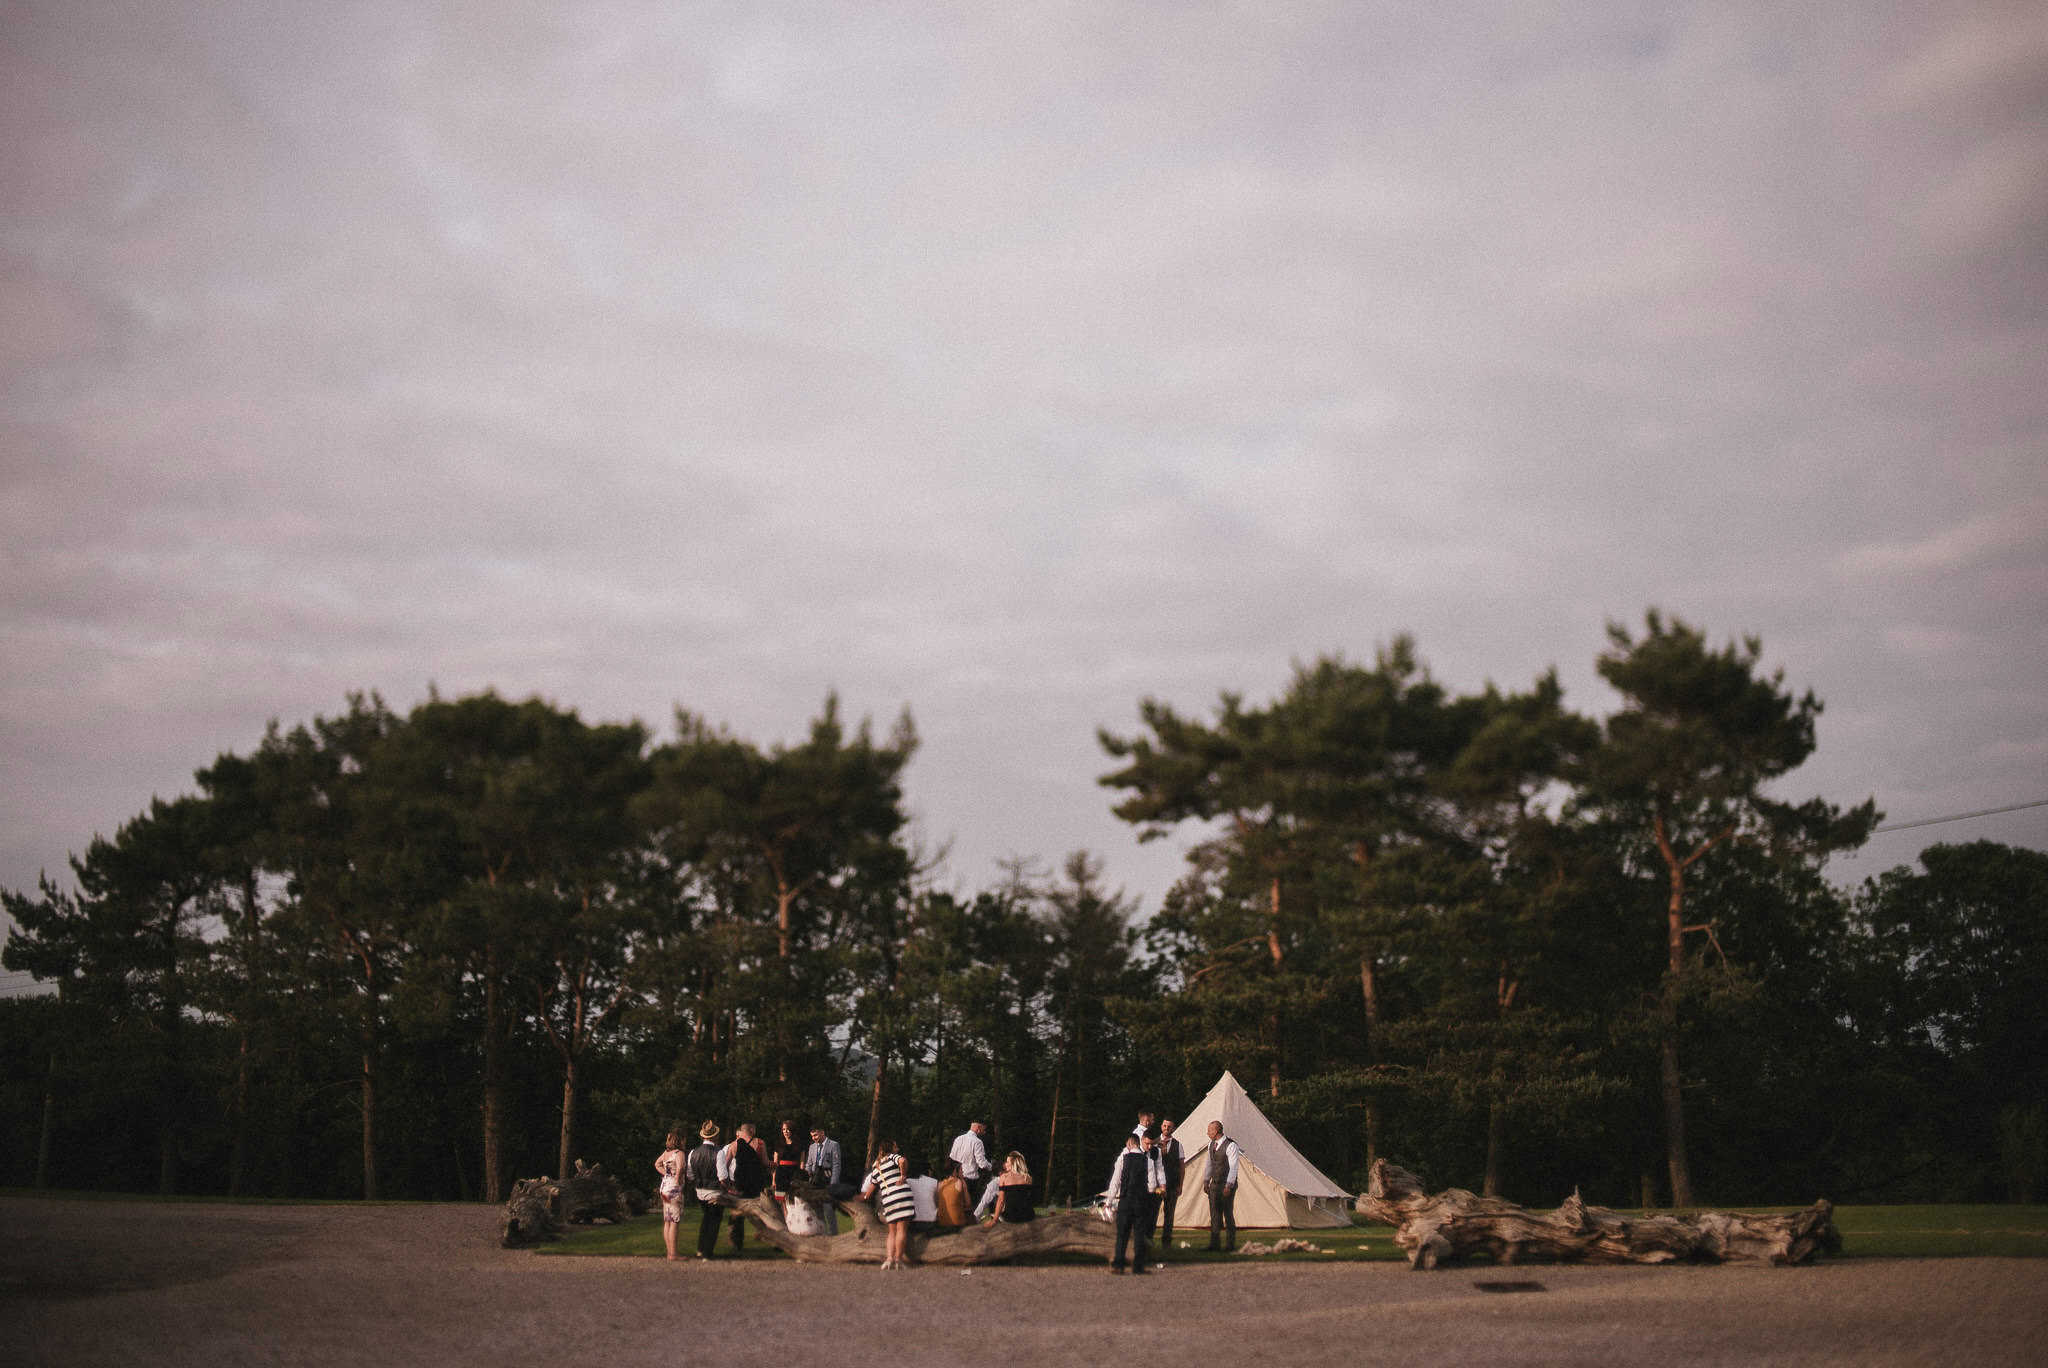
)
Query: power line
[{"x": 1959, "y": 817}]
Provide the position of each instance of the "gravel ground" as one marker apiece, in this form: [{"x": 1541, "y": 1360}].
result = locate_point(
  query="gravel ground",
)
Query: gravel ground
[{"x": 214, "y": 1284}]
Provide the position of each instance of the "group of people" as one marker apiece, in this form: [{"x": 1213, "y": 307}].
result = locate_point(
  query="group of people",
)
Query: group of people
[
  {"x": 745, "y": 1166},
  {"x": 1144, "y": 1184}
]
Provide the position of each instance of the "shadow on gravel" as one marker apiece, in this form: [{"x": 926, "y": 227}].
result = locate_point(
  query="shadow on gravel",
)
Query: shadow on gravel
[{"x": 53, "y": 1264}]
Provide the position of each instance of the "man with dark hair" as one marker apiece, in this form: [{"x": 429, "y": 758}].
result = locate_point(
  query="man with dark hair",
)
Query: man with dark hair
[
  {"x": 744, "y": 1173},
  {"x": 1131, "y": 1196},
  {"x": 1173, "y": 1160},
  {"x": 1219, "y": 1180}
]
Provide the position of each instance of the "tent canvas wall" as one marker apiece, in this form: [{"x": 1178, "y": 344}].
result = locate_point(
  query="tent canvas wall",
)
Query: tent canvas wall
[{"x": 1275, "y": 1185}]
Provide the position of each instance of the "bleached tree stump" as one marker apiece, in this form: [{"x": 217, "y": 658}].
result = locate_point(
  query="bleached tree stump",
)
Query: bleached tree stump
[
  {"x": 539, "y": 1207},
  {"x": 1455, "y": 1223},
  {"x": 1063, "y": 1232}
]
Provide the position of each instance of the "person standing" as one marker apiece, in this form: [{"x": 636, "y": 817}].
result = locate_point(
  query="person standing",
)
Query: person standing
[
  {"x": 1144, "y": 1126},
  {"x": 972, "y": 1157},
  {"x": 823, "y": 1162},
  {"x": 1173, "y": 1162},
  {"x": 743, "y": 1173},
  {"x": 701, "y": 1173},
  {"x": 670, "y": 1167},
  {"x": 787, "y": 1157},
  {"x": 894, "y": 1204},
  {"x": 1130, "y": 1197},
  {"x": 1219, "y": 1181}
]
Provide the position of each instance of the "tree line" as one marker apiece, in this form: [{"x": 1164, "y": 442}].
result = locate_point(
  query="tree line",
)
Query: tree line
[{"x": 1501, "y": 943}]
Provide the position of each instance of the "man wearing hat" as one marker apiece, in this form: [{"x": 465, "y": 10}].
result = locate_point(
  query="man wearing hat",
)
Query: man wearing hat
[{"x": 701, "y": 1170}]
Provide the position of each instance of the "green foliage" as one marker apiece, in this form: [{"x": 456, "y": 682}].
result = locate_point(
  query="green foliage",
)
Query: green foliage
[{"x": 422, "y": 954}]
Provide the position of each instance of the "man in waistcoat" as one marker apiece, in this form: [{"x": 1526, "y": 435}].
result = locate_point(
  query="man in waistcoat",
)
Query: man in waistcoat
[
  {"x": 700, "y": 1171},
  {"x": 1219, "y": 1181},
  {"x": 1130, "y": 1194},
  {"x": 1173, "y": 1160}
]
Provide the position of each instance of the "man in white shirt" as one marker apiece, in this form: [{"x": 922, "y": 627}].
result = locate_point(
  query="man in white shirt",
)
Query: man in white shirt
[
  {"x": 1134, "y": 1186},
  {"x": 972, "y": 1157},
  {"x": 701, "y": 1171},
  {"x": 924, "y": 1202},
  {"x": 1173, "y": 1159},
  {"x": 1219, "y": 1181}
]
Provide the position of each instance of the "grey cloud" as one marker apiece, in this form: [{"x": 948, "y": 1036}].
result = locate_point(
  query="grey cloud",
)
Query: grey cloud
[{"x": 1010, "y": 366}]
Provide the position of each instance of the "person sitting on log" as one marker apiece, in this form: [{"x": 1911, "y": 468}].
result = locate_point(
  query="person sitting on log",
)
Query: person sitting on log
[
  {"x": 743, "y": 1173},
  {"x": 1013, "y": 1192},
  {"x": 952, "y": 1199},
  {"x": 886, "y": 1186},
  {"x": 924, "y": 1191},
  {"x": 702, "y": 1174},
  {"x": 670, "y": 1167}
]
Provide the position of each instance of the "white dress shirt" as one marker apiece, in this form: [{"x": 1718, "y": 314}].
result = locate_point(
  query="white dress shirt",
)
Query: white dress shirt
[{"x": 972, "y": 1157}]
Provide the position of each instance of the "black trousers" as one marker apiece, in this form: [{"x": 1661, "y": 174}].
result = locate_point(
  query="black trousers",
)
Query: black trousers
[
  {"x": 1166, "y": 1206},
  {"x": 1222, "y": 1214},
  {"x": 707, "y": 1229},
  {"x": 1134, "y": 1229}
]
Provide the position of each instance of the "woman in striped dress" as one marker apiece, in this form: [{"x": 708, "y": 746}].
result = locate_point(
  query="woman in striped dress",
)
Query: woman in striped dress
[{"x": 886, "y": 1185}]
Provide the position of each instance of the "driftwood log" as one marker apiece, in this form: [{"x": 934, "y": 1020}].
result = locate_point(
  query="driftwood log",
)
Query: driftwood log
[
  {"x": 1454, "y": 1224},
  {"x": 1062, "y": 1232},
  {"x": 540, "y": 1207}
]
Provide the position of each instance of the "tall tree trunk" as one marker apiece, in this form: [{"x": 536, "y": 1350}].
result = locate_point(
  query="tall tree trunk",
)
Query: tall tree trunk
[
  {"x": 1669, "y": 1078},
  {"x": 49, "y": 1124},
  {"x": 170, "y": 1084},
  {"x": 494, "y": 1082},
  {"x": 570, "y": 1070},
  {"x": 1368, "y": 982},
  {"x": 1495, "y": 1128},
  {"x": 1369, "y": 985},
  {"x": 1052, "y": 1135},
  {"x": 875, "y": 1108},
  {"x": 1273, "y": 1020},
  {"x": 238, "y": 1147},
  {"x": 784, "y": 896},
  {"x": 249, "y": 939},
  {"x": 370, "y": 1192},
  {"x": 1674, "y": 1109},
  {"x": 1496, "y": 1107}
]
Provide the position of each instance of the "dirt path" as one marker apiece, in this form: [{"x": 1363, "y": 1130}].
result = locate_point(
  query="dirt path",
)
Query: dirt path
[{"x": 208, "y": 1284}]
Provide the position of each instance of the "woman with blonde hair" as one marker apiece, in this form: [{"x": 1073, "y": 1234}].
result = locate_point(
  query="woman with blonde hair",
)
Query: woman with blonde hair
[{"x": 1013, "y": 1191}]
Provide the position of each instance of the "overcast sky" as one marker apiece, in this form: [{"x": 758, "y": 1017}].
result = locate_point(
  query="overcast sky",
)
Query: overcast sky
[{"x": 1012, "y": 363}]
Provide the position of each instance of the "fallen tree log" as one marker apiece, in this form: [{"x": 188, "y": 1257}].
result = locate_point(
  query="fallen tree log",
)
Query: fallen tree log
[
  {"x": 1063, "y": 1232},
  {"x": 539, "y": 1207},
  {"x": 1455, "y": 1224}
]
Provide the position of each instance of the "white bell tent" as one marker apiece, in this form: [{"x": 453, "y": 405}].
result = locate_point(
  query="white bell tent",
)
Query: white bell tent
[{"x": 1275, "y": 1185}]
